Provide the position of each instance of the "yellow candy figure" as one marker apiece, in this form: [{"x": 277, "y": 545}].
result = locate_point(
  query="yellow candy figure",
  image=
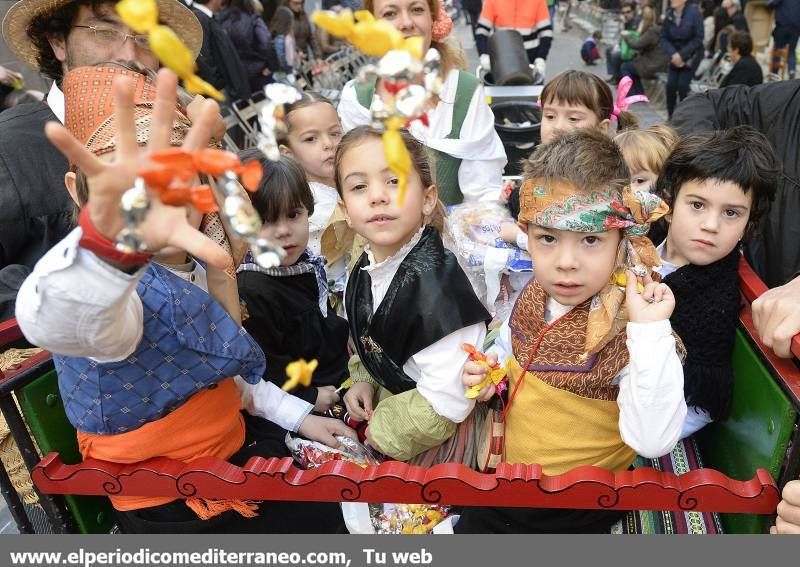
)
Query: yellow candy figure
[
  {"x": 361, "y": 30},
  {"x": 299, "y": 373},
  {"x": 339, "y": 25},
  {"x": 376, "y": 38},
  {"x": 397, "y": 157},
  {"x": 142, "y": 17},
  {"x": 621, "y": 279},
  {"x": 494, "y": 376}
]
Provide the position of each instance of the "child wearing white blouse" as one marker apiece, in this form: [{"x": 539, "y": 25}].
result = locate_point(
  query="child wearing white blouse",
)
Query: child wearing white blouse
[{"x": 409, "y": 305}]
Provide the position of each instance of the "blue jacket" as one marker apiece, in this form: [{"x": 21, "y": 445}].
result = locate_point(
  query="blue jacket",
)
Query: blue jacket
[
  {"x": 189, "y": 343},
  {"x": 788, "y": 13},
  {"x": 252, "y": 40},
  {"x": 686, "y": 38}
]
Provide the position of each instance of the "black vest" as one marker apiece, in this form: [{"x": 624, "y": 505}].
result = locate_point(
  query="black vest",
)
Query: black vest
[{"x": 429, "y": 298}]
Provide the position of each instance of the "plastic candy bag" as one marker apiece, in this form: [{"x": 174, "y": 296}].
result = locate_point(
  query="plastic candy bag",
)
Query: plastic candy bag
[
  {"x": 404, "y": 519},
  {"x": 407, "y": 519},
  {"x": 312, "y": 454},
  {"x": 361, "y": 517},
  {"x": 474, "y": 231}
]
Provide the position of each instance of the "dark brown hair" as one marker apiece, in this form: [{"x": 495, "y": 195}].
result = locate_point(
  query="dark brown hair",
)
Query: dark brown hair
[
  {"x": 419, "y": 158},
  {"x": 741, "y": 41},
  {"x": 57, "y": 25},
  {"x": 742, "y": 156},
  {"x": 282, "y": 21},
  {"x": 586, "y": 158},
  {"x": 579, "y": 87},
  {"x": 283, "y": 187},
  {"x": 419, "y": 155}
]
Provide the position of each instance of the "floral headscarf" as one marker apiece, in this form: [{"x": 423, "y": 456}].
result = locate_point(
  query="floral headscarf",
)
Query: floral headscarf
[{"x": 560, "y": 205}]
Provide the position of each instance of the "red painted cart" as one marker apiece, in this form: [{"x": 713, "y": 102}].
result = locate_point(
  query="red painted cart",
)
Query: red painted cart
[{"x": 752, "y": 454}]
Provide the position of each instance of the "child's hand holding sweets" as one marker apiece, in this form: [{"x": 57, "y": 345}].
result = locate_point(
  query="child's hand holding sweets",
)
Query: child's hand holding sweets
[
  {"x": 326, "y": 398},
  {"x": 655, "y": 303},
  {"x": 475, "y": 373},
  {"x": 358, "y": 400}
]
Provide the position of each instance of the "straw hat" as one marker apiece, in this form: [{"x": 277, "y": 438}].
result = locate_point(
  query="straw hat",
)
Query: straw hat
[{"x": 15, "y": 25}]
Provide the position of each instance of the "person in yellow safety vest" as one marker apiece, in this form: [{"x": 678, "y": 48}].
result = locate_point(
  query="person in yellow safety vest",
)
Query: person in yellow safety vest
[{"x": 530, "y": 18}]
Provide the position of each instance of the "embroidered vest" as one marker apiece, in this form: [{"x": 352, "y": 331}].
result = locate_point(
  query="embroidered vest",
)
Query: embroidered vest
[
  {"x": 428, "y": 298},
  {"x": 446, "y": 165},
  {"x": 189, "y": 343},
  {"x": 565, "y": 412}
]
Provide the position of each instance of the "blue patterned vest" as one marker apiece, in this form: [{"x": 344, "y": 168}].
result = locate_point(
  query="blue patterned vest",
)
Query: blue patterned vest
[{"x": 189, "y": 343}]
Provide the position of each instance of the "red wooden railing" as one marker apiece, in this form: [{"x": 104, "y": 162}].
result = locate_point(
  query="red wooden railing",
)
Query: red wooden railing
[
  {"x": 752, "y": 287},
  {"x": 511, "y": 485},
  {"x": 337, "y": 481}
]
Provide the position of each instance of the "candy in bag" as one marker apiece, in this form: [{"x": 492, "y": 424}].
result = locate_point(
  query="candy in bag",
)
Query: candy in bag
[{"x": 312, "y": 454}]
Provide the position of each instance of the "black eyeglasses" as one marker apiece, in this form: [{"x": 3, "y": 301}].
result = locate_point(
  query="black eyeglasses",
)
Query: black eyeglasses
[
  {"x": 115, "y": 37},
  {"x": 627, "y": 11}
]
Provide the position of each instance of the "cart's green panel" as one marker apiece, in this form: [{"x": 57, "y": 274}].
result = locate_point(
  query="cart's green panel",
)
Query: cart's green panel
[
  {"x": 755, "y": 436},
  {"x": 43, "y": 410}
]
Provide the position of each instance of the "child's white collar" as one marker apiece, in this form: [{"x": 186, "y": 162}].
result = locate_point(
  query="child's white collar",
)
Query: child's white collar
[
  {"x": 554, "y": 310},
  {"x": 391, "y": 263}
]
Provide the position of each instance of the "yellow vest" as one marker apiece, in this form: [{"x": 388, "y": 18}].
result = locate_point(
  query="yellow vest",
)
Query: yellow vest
[
  {"x": 560, "y": 430},
  {"x": 564, "y": 414}
]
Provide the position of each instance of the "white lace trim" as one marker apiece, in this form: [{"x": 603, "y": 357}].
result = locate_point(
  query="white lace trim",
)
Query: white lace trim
[{"x": 390, "y": 264}]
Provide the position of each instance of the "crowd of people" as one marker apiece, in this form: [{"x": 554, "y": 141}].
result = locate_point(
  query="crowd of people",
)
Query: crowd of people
[
  {"x": 691, "y": 41},
  {"x": 623, "y": 336}
]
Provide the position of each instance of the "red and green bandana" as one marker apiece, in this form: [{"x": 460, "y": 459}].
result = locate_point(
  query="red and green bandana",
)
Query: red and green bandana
[{"x": 559, "y": 205}]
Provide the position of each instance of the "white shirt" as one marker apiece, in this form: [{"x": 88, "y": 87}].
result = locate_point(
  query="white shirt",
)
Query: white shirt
[
  {"x": 436, "y": 369},
  {"x": 666, "y": 267},
  {"x": 696, "y": 418},
  {"x": 651, "y": 405},
  {"x": 325, "y": 199},
  {"x": 75, "y": 304},
  {"x": 479, "y": 147},
  {"x": 202, "y": 7},
  {"x": 55, "y": 100}
]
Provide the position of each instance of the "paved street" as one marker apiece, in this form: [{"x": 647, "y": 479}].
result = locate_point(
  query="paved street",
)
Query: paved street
[{"x": 564, "y": 54}]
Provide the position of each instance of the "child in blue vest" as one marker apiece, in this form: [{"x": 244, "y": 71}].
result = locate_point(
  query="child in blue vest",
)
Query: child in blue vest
[{"x": 150, "y": 362}]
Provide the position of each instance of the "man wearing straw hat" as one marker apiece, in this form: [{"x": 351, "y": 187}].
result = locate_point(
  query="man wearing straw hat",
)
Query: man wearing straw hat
[{"x": 53, "y": 36}]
